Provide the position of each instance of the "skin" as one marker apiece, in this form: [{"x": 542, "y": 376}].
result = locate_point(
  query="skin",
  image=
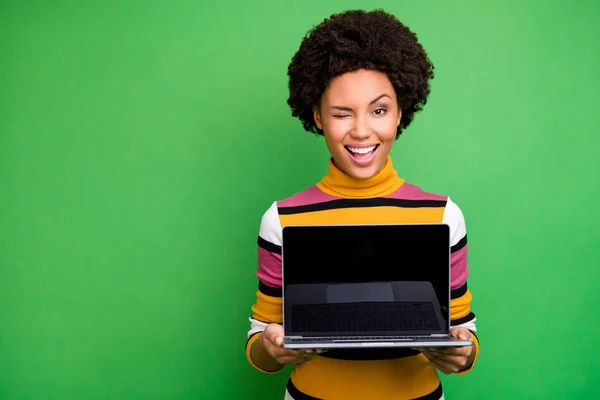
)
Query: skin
[
  {"x": 357, "y": 108},
  {"x": 453, "y": 359}
]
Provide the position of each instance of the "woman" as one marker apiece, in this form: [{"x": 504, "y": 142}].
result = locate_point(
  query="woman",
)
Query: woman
[{"x": 358, "y": 79}]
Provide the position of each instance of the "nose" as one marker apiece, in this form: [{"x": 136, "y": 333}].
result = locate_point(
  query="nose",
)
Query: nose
[{"x": 361, "y": 129}]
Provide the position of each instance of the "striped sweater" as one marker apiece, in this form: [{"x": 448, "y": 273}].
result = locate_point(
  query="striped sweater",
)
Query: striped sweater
[{"x": 340, "y": 199}]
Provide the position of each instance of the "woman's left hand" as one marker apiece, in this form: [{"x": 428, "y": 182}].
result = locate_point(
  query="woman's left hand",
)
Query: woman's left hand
[{"x": 452, "y": 359}]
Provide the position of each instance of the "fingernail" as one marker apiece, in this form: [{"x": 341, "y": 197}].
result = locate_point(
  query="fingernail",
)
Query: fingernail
[
  {"x": 431, "y": 349},
  {"x": 309, "y": 351},
  {"x": 278, "y": 341}
]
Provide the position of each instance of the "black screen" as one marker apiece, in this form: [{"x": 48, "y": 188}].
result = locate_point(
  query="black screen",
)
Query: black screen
[{"x": 367, "y": 253}]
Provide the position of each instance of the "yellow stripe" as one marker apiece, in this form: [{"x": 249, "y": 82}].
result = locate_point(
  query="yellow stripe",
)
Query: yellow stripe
[
  {"x": 367, "y": 215},
  {"x": 267, "y": 309},
  {"x": 404, "y": 378},
  {"x": 248, "y": 347},
  {"x": 461, "y": 306},
  {"x": 476, "y": 350}
]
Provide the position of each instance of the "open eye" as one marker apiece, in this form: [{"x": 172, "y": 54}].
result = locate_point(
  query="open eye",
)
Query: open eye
[{"x": 380, "y": 111}]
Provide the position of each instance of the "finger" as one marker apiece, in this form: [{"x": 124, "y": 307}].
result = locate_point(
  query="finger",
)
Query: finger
[
  {"x": 282, "y": 352},
  {"x": 460, "y": 332},
  {"x": 278, "y": 352},
  {"x": 439, "y": 364},
  {"x": 295, "y": 360},
  {"x": 318, "y": 351},
  {"x": 274, "y": 334},
  {"x": 456, "y": 351},
  {"x": 443, "y": 365},
  {"x": 450, "y": 358},
  {"x": 453, "y": 363},
  {"x": 295, "y": 356},
  {"x": 315, "y": 352},
  {"x": 442, "y": 350}
]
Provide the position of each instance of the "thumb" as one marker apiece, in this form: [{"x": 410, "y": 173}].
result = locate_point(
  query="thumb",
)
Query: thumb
[
  {"x": 460, "y": 332},
  {"x": 273, "y": 334}
]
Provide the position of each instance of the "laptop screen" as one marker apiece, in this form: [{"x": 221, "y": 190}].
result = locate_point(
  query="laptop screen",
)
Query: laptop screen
[{"x": 368, "y": 253}]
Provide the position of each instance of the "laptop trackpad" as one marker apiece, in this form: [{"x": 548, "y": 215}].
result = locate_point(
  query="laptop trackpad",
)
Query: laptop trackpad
[{"x": 359, "y": 292}]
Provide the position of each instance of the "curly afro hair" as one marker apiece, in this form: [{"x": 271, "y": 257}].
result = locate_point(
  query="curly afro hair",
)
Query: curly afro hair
[{"x": 353, "y": 40}]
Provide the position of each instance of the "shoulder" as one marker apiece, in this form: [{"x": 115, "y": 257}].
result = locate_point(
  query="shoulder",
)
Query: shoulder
[
  {"x": 270, "y": 229},
  {"x": 410, "y": 191},
  {"x": 454, "y": 217},
  {"x": 270, "y": 226},
  {"x": 453, "y": 214}
]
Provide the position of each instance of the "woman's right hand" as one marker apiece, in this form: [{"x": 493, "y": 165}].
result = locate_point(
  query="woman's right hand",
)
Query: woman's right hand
[{"x": 272, "y": 339}]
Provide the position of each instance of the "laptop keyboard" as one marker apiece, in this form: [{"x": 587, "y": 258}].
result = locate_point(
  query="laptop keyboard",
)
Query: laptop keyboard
[{"x": 364, "y": 317}]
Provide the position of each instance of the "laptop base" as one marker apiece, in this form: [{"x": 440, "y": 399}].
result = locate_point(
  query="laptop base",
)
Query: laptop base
[{"x": 379, "y": 342}]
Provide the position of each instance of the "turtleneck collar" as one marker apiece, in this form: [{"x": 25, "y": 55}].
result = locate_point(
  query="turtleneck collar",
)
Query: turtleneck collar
[{"x": 338, "y": 183}]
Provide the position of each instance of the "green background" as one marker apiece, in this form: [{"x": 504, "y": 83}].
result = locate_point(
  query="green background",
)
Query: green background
[{"x": 141, "y": 141}]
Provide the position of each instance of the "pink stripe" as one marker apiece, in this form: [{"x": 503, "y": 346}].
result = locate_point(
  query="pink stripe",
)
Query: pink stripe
[
  {"x": 459, "y": 269},
  {"x": 269, "y": 268},
  {"x": 312, "y": 195},
  {"x": 409, "y": 191}
]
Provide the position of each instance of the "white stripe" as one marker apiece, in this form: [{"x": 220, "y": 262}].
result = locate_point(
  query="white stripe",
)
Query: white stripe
[
  {"x": 270, "y": 228},
  {"x": 470, "y": 325},
  {"x": 256, "y": 327},
  {"x": 453, "y": 216}
]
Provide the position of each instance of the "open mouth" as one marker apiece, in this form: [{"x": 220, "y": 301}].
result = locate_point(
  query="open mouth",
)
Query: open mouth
[{"x": 362, "y": 153}]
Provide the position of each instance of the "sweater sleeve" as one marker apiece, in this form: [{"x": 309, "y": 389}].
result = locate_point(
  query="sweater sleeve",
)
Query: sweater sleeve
[
  {"x": 460, "y": 295},
  {"x": 267, "y": 307}
]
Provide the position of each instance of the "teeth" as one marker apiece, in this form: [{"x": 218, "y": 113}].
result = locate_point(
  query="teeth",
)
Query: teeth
[{"x": 363, "y": 150}]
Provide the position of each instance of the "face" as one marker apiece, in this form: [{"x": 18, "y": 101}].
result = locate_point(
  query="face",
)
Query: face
[{"x": 359, "y": 116}]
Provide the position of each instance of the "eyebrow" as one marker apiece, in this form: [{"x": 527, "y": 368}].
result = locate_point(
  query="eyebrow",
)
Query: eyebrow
[{"x": 341, "y": 108}]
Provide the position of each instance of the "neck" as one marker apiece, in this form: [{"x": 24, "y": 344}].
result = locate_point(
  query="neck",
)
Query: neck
[{"x": 338, "y": 183}]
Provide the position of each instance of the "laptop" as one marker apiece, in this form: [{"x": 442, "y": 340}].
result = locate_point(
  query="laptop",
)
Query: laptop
[{"x": 357, "y": 286}]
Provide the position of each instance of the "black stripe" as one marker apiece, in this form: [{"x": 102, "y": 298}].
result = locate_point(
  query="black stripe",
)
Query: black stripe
[
  {"x": 273, "y": 248},
  {"x": 435, "y": 395},
  {"x": 353, "y": 203},
  {"x": 461, "y": 291},
  {"x": 474, "y": 334},
  {"x": 251, "y": 336},
  {"x": 461, "y": 243},
  {"x": 297, "y": 394},
  {"x": 369, "y": 354},
  {"x": 464, "y": 319},
  {"x": 269, "y": 290}
]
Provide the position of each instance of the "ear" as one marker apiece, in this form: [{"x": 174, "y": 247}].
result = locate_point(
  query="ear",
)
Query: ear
[
  {"x": 399, "y": 117},
  {"x": 317, "y": 117}
]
